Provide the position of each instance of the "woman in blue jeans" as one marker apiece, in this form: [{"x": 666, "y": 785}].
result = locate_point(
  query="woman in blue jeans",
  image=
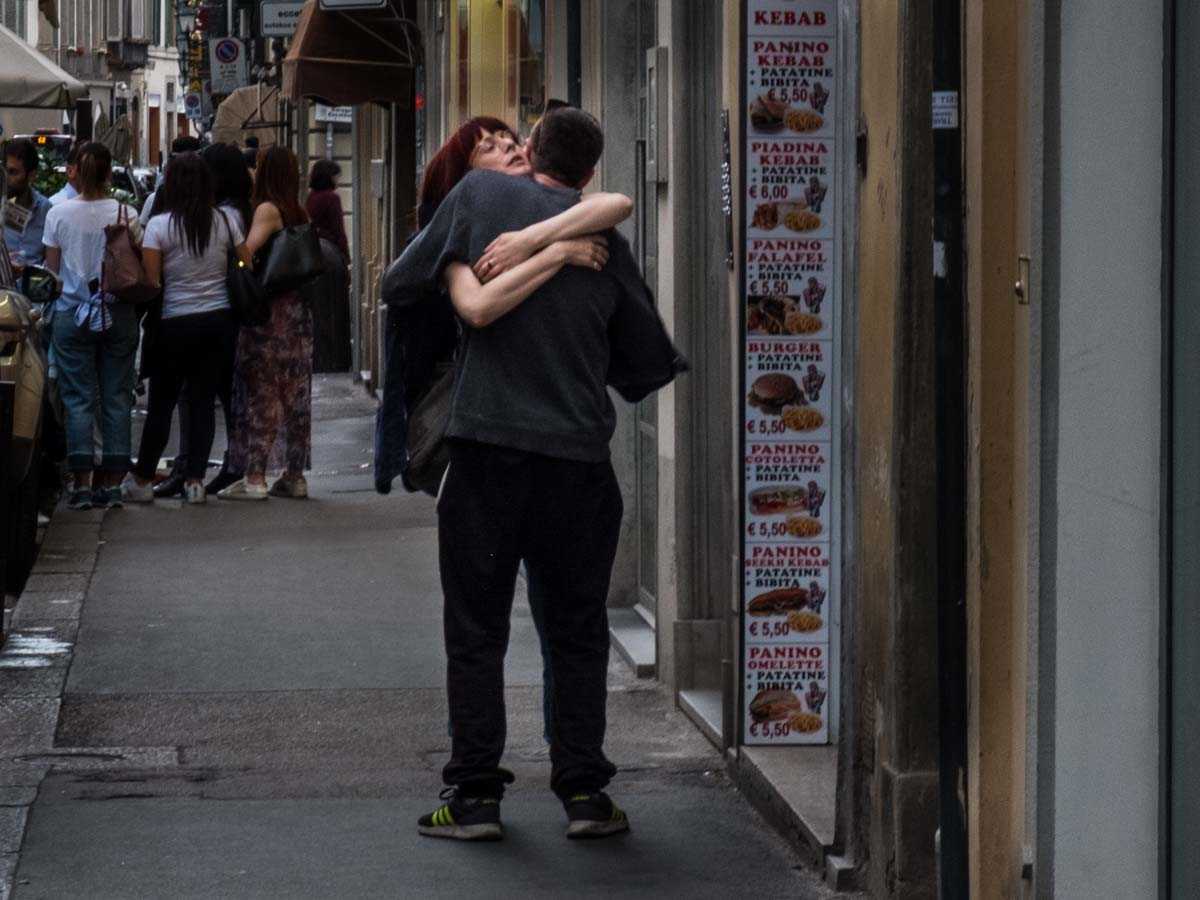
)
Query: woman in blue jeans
[{"x": 94, "y": 340}]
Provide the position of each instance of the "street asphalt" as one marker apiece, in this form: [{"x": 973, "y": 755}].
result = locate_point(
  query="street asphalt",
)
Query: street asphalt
[{"x": 253, "y": 706}]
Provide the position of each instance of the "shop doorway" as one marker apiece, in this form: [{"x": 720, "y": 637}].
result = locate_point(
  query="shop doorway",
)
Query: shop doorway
[
  {"x": 646, "y": 212},
  {"x": 153, "y": 136}
]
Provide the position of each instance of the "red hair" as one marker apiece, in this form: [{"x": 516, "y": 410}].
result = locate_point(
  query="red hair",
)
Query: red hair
[
  {"x": 451, "y": 164},
  {"x": 277, "y": 180}
]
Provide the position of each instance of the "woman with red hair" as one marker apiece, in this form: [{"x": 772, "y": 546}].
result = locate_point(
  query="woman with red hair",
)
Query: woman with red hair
[{"x": 489, "y": 143}]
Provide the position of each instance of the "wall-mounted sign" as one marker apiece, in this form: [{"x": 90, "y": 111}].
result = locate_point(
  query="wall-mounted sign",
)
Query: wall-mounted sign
[
  {"x": 227, "y": 60},
  {"x": 792, "y": 513},
  {"x": 338, "y": 115},
  {"x": 193, "y": 105},
  {"x": 278, "y": 18}
]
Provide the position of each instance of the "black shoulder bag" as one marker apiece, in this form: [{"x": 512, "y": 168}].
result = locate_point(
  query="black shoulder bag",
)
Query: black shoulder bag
[{"x": 250, "y": 303}]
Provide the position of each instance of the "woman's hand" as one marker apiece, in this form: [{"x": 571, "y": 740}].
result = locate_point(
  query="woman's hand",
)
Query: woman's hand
[
  {"x": 506, "y": 252},
  {"x": 591, "y": 252}
]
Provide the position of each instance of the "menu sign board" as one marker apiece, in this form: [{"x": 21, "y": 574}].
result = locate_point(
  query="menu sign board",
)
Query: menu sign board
[{"x": 791, "y": 464}]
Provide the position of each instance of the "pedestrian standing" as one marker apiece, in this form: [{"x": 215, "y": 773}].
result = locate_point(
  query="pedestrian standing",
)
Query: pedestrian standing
[
  {"x": 94, "y": 339},
  {"x": 26, "y": 210},
  {"x": 186, "y": 250},
  {"x": 273, "y": 386},
  {"x": 70, "y": 190},
  {"x": 329, "y": 295}
]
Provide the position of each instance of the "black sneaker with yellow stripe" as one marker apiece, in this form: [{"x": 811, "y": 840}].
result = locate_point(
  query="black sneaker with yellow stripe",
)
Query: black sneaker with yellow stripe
[
  {"x": 463, "y": 818},
  {"x": 593, "y": 816}
]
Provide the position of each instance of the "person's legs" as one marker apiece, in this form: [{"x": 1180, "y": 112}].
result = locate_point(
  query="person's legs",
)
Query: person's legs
[
  {"x": 206, "y": 357},
  {"x": 118, "y": 373},
  {"x": 572, "y": 548},
  {"x": 537, "y": 611},
  {"x": 164, "y": 393},
  {"x": 482, "y": 502},
  {"x": 179, "y": 466},
  {"x": 75, "y": 357}
]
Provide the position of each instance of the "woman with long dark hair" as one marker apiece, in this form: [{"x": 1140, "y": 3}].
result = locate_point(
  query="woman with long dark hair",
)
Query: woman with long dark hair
[
  {"x": 94, "y": 340},
  {"x": 273, "y": 387},
  {"x": 232, "y": 190},
  {"x": 186, "y": 250}
]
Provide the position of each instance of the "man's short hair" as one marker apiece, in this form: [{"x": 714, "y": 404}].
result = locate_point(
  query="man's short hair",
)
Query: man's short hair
[
  {"x": 252, "y": 142},
  {"x": 185, "y": 144},
  {"x": 23, "y": 149},
  {"x": 567, "y": 144},
  {"x": 73, "y": 153}
]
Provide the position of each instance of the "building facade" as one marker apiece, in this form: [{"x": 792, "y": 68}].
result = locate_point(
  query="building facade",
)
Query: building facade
[{"x": 933, "y": 600}]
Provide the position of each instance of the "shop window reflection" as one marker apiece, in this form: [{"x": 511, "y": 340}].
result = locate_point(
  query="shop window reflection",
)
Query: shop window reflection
[{"x": 526, "y": 76}]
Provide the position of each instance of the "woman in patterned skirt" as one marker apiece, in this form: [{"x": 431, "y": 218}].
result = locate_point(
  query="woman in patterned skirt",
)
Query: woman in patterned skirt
[{"x": 273, "y": 390}]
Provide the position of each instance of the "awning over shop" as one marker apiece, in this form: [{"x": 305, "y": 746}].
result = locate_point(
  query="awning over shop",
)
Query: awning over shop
[
  {"x": 28, "y": 79},
  {"x": 346, "y": 58}
]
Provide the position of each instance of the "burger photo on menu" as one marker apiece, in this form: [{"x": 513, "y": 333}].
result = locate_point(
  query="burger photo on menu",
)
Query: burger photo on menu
[
  {"x": 773, "y": 392},
  {"x": 775, "y": 705}
]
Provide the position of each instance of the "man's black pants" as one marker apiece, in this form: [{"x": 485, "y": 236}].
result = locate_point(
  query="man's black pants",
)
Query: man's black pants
[{"x": 563, "y": 517}]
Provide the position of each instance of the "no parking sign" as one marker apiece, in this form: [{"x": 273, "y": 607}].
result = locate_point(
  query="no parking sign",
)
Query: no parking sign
[{"x": 227, "y": 59}]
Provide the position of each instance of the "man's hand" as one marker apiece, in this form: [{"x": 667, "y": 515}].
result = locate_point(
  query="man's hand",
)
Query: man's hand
[
  {"x": 591, "y": 252},
  {"x": 506, "y": 252}
]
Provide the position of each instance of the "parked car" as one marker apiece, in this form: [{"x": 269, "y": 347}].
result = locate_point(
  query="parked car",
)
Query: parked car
[
  {"x": 24, "y": 392},
  {"x": 127, "y": 188}
]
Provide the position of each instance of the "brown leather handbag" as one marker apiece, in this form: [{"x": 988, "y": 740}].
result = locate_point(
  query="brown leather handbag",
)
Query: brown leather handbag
[{"x": 122, "y": 275}]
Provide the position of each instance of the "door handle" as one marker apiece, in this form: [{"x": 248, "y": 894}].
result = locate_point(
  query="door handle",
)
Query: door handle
[{"x": 1023, "y": 288}]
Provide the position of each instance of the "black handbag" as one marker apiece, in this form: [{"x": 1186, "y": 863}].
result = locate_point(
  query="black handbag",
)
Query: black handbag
[
  {"x": 428, "y": 454},
  {"x": 250, "y": 303},
  {"x": 292, "y": 259}
]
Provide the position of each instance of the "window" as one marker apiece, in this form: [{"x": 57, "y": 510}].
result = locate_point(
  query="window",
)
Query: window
[
  {"x": 13, "y": 15},
  {"x": 170, "y": 92},
  {"x": 113, "y": 27},
  {"x": 462, "y": 40},
  {"x": 526, "y": 62}
]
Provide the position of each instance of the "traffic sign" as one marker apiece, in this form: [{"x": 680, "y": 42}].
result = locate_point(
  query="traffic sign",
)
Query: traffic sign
[
  {"x": 192, "y": 105},
  {"x": 278, "y": 18},
  {"x": 227, "y": 58}
]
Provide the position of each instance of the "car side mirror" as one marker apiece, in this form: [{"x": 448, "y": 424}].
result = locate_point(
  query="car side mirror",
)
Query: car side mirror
[{"x": 40, "y": 285}]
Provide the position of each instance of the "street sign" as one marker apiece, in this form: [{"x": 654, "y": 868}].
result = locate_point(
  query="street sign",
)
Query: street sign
[
  {"x": 227, "y": 59},
  {"x": 192, "y": 104},
  {"x": 339, "y": 115},
  {"x": 353, "y": 4},
  {"x": 278, "y": 18}
]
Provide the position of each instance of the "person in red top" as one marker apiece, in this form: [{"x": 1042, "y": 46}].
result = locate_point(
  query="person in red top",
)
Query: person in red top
[
  {"x": 324, "y": 206},
  {"x": 329, "y": 296}
]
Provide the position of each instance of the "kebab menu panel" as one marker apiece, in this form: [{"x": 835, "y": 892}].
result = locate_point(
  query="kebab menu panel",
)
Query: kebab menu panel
[{"x": 791, "y": 465}]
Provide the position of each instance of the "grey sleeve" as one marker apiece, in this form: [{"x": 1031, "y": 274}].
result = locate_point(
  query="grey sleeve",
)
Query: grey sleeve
[{"x": 419, "y": 269}]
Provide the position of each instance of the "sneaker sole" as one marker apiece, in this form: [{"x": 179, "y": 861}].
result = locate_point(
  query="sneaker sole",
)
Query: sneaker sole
[
  {"x": 585, "y": 830},
  {"x": 487, "y": 832}
]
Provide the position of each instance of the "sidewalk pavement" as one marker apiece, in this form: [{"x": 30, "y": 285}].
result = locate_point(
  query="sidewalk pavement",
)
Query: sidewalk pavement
[{"x": 247, "y": 700}]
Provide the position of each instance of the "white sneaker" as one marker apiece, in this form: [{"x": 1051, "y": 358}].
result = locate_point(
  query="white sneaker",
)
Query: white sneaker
[
  {"x": 132, "y": 492},
  {"x": 295, "y": 488},
  {"x": 193, "y": 493},
  {"x": 244, "y": 490}
]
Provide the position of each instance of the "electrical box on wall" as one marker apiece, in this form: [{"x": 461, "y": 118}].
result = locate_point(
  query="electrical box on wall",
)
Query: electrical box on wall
[{"x": 658, "y": 126}]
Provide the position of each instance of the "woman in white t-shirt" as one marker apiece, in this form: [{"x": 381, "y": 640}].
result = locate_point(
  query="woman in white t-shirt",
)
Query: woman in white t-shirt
[
  {"x": 186, "y": 249},
  {"x": 94, "y": 340}
]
